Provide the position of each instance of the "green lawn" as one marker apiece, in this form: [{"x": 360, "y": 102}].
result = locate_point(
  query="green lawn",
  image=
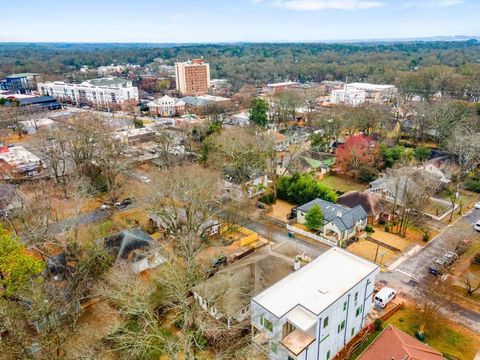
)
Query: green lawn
[
  {"x": 342, "y": 184},
  {"x": 446, "y": 338}
]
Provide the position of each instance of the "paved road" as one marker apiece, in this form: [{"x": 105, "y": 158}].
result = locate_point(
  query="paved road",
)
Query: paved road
[{"x": 412, "y": 272}]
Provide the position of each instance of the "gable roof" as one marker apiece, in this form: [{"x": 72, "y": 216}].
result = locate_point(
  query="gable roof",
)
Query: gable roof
[
  {"x": 343, "y": 217},
  {"x": 370, "y": 202},
  {"x": 393, "y": 343}
]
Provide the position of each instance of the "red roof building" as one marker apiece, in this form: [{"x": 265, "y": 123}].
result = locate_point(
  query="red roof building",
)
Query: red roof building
[{"x": 394, "y": 344}]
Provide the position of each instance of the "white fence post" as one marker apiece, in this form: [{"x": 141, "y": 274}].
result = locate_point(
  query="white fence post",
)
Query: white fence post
[{"x": 311, "y": 235}]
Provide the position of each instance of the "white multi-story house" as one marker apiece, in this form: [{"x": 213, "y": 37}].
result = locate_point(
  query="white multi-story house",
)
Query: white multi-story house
[
  {"x": 104, "y": 92},
  {"x": 348, "y": 96},
  {"x": 314, "y": 312}
]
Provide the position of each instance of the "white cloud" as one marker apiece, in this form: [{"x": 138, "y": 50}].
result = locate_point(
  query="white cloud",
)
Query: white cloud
[{"x": 328, "y": 4}]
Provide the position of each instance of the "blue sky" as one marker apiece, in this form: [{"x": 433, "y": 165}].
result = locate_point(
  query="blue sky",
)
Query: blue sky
[{"x": 234, "y": 20}]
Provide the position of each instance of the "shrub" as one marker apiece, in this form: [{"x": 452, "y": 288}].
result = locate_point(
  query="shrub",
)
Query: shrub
[
  {"x": 367, "y": 174},
  {"x": 472, "y": 182},
  {"x": 369, "y": 229},
  {"x": 426, "y": 235},
  {"x": 267, "y": 198},
  {"x": 302, "y": 188},
  {"x": 378, "y": 324},
  {"x": 387, "y": 228},
  {"x": 422, "y": 153}
]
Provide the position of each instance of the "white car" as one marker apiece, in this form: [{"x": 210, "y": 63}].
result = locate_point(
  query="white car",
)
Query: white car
[
  {"x": 477, "y": 205},
  {"x": 477, "y": 226},
  {"x": 144, "y": 179}
]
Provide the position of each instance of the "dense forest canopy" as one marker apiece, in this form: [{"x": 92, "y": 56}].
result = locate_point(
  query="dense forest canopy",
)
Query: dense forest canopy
[{"x": 256, "y": 63}]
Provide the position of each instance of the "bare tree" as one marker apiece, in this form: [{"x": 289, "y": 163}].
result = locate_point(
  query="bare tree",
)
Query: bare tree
[{"x": 472, "y": 285}]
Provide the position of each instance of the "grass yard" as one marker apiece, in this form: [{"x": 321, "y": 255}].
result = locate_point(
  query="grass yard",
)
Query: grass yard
[
  {"x": 342, "y": 184},
  {"x": 446, "y": 337}
]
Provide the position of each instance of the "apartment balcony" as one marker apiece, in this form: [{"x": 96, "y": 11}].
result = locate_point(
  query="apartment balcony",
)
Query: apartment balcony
[{"x": 297, "y": 341}]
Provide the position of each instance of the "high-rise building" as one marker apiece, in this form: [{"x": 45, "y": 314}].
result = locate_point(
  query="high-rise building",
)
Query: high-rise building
[{"x": 192, "y": 77}]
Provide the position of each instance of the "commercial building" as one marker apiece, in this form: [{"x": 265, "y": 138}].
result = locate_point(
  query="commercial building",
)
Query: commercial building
[
  {"x": 375, "y": 93},
  {"x": 166, "y": 106},
  {"x": 358, "y": 93},
  {"x": 277, "y": 88},
  {"x": 310, "y": 314},
  {"x": 17, "y": 162},
  {"x": 203, "y": 104},
  {"x": 107, "y": 92},
  {"x": 348, "y": 96},
  {"x": 19, "y": 83},
  {"x": 192, "y": 77}
]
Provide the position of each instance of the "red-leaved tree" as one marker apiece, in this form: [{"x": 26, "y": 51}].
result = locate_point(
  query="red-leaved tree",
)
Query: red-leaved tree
[{"x": 357, "y": 153}]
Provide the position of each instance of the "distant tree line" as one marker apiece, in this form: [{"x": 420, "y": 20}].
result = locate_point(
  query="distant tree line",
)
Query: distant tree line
[{"x": 454, "y": 65}]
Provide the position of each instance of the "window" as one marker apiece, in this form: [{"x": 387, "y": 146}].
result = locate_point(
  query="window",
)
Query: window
[
  {"x": 325, "y": 322},
  {"x": 356, "y": 296},
  {"x": 266, "y": 324},
  {"x": 328, "y": 355},
  {"x": 359, "y": 311},
  {"x": 341, "y": 326},
  {"x": 274, "y": 347},
  {"x": 344, "y": 306},
  {"x": 353, "y": 331}
]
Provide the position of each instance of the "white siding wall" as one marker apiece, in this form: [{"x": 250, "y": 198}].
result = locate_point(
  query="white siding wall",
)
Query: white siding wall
[{"x": 328, "y": 338}]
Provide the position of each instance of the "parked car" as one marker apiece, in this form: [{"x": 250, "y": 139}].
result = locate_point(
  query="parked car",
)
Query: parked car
[
  {"x": 436, "y": 270},
  {"x": 104, "y": 207},
  {"x": 443, "y": 262},
  {"x": 477, "y": 205},
  {"x": 219, "y": 260},
  {"x": 124, "y": 203},
  {"x": 476, "y": 259},
  {"x": 450, "y": 256},
  {"x": 144, "y": 179},
  {"x": 384, "y": 296},
  {"x": 477, "y": 226}
]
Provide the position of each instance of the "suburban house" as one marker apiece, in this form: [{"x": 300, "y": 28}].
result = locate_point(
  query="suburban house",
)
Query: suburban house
[
  {"x": 17, "y": 162},
  {"x": 370, "y": 202},
  {"x": 136, "y": 247},
  {"x": 310, "y": 314},
  {"x": 339, "y": 222},
  {"x": 166, "y": 106},
  {"x": 393, "y": 343},
  {"x": 393, "y": 188},
  {"x": 226, "y": 296},
  {"x": 235, "y": 186}
]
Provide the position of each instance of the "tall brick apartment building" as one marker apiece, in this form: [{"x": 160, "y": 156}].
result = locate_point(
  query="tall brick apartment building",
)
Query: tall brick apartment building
[{"x": 192, "y": 77}]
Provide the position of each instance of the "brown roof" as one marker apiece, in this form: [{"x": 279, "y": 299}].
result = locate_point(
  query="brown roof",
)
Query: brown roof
[
  {"x": 369, "y": 201},
  {"x": 394, "y": 344}
]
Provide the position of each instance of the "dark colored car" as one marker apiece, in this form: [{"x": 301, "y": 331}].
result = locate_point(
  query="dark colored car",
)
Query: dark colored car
[
  {"x": 435, "y": 270},
  {"x": 219, "y": 261}
]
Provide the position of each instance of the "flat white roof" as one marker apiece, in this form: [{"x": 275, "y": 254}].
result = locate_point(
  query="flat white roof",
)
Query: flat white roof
[
  {"x": 367, "y": 86},
  {"x": 17, "y": 155},
  {"x": 317, "y": 285},
  {"x": 286, "y": 83},
  {"x": 302, "y": 318}
]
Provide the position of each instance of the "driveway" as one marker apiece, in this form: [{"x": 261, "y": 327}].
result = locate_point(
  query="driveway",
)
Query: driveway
[{"x": 412, "y": 272}]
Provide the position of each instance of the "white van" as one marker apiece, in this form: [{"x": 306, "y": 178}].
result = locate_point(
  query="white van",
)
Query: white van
[{"x": 384, "y": 296}]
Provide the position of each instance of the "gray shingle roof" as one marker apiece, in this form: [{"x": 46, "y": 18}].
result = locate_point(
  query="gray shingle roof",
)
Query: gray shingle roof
[{"x": 343, "y": 217}]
